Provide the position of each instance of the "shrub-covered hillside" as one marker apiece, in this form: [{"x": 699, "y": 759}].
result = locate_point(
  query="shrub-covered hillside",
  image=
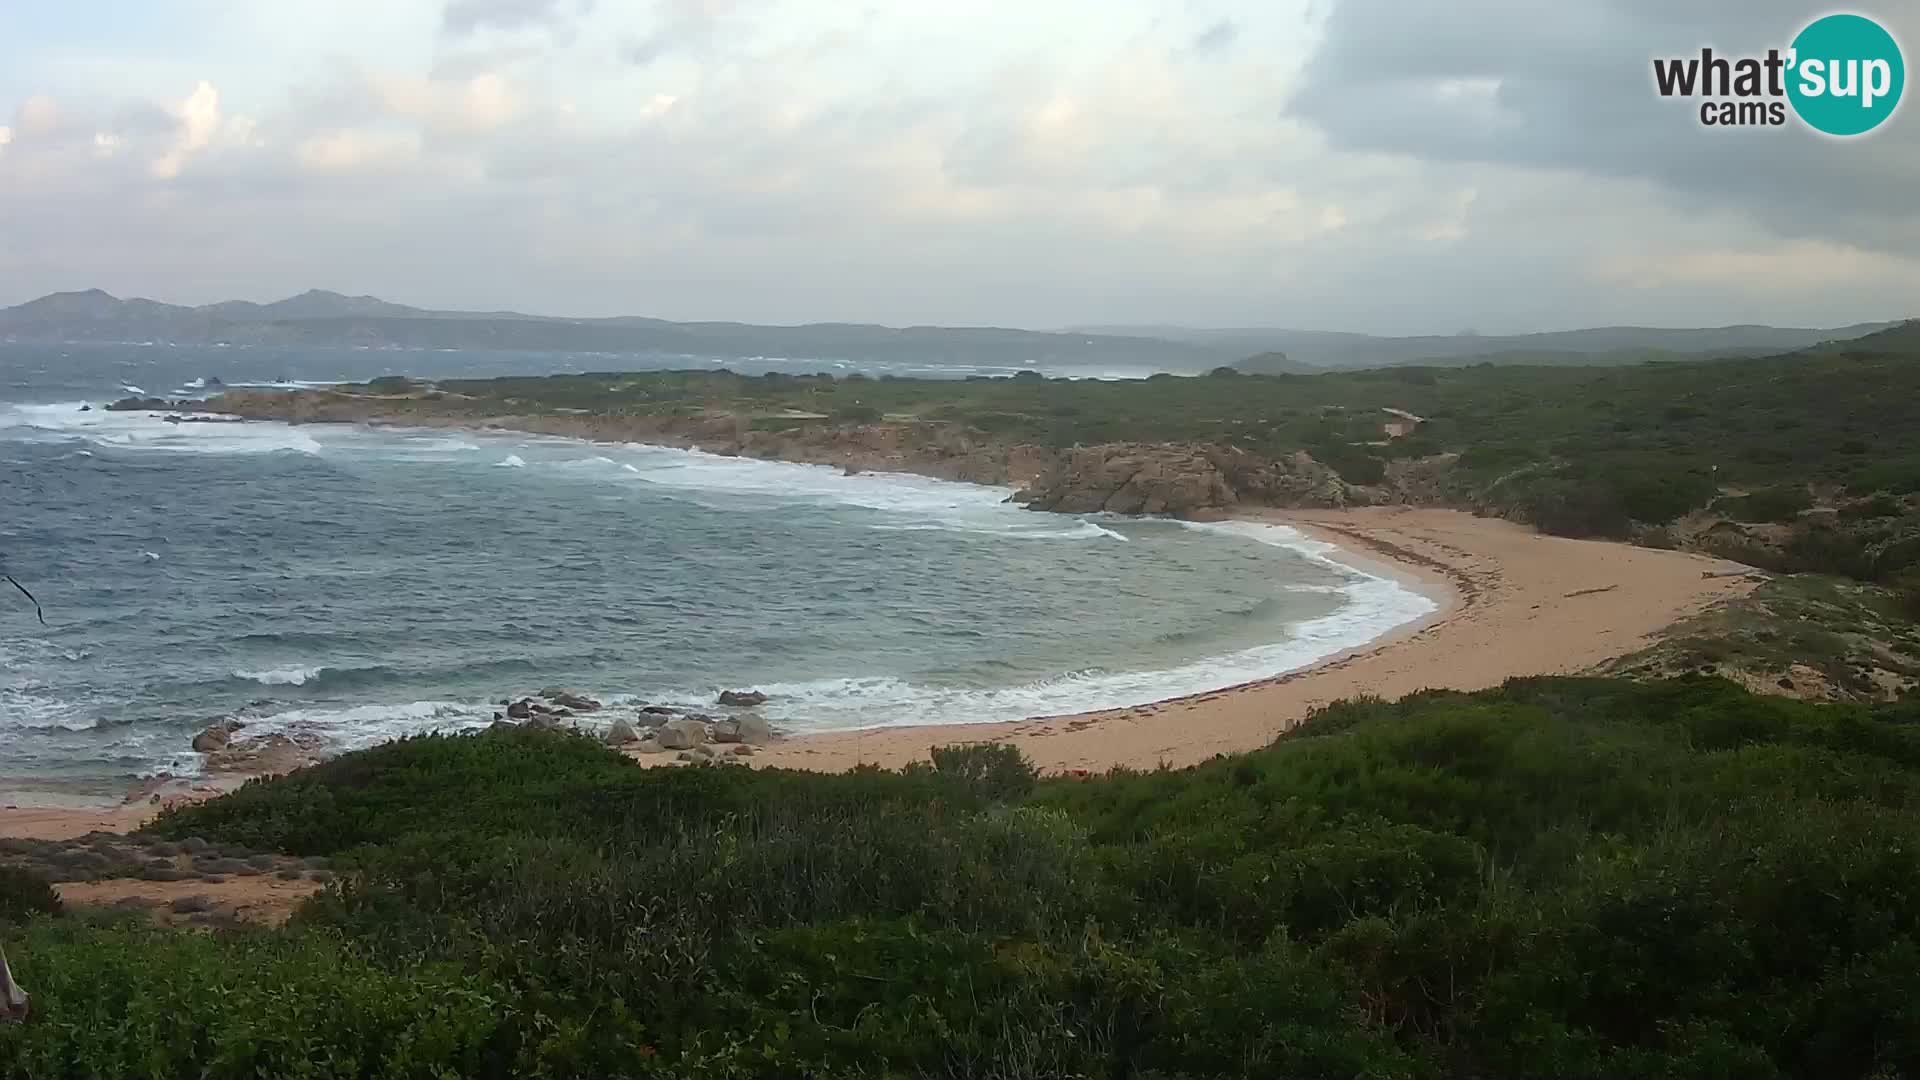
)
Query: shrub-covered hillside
[
  {"x": 1563, "y": 877},
  {"x": 1803, "y": 462}
]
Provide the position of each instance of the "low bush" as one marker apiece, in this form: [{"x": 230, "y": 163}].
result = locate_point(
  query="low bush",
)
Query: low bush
[
  {"x": 1565, "y": 877},
  {"x": 24, "y": 894}
]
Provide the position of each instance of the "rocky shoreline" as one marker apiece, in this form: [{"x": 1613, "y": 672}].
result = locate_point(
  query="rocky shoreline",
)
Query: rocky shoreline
[
  {"x": 732, "y": 733},
  {"x": 1198, "y": 480}
]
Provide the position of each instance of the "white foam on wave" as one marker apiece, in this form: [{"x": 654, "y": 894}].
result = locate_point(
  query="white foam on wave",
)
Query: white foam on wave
[
  {"x": 907, "y": 501},
  {"x": 1375, "y": 605},
  {"x": 144, "y": 431},
  {"x": 292, "y": 675},
  {"x": 511, "y": 461},
  {"x": 356, "y": 727}
]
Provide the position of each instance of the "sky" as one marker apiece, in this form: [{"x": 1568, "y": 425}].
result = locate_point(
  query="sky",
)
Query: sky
[{"x": 1386, "y": 166}]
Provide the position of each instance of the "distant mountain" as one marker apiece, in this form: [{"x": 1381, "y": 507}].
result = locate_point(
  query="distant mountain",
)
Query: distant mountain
[
  {"x": 312, "y": 304},
  {"x": 324, "y": 318},
  {"x": 1599, "y": 345},
  {"x": 321, "y": 318}
]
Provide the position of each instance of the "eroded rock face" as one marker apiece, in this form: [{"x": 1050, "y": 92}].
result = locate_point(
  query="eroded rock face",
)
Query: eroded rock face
[
  {"x": 269, "y": 755},
  {"x": 1136, "y": 478},
  {"x": 742, "y": 698},
  {"x": 1129, "y": 478},
  {"x": 216, "y": 736}
]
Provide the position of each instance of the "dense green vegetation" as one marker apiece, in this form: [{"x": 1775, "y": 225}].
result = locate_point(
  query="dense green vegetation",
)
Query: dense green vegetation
[
  {"x": 1610, "y": 451},
  {"x": 1804, "y": 634},
  {"x": 1563, "y": 877}
]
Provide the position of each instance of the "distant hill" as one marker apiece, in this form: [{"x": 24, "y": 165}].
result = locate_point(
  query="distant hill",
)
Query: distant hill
[
  {"x": 324, "y": 318},
  {"x": 1598, "y": 345},
  {"x": 321, "y": 318}
]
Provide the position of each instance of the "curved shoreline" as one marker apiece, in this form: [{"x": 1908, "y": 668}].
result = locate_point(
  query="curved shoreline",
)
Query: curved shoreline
[
  {"x": 1462, "y": 562},
  {"x": 1524, "y": 604}
]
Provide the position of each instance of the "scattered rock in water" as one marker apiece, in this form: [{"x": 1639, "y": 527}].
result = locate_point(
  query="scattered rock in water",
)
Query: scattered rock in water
[
  {"x": 744, "y": 728},
  {"x": 659, "y": 710},
  {"x": 621, "y": 734},
  {"x": 567, "y": 699},
  {"x": 682, "y": 734},
  {"x": 216, "y": 736},
  {"x": 521, "y": 710},
  {"x": 742, "y": 698},
  {"x": 270, "y": 754}
]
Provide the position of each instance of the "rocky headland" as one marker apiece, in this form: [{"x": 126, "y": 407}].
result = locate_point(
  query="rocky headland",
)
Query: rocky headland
[{"x": 1179, "y": 479}]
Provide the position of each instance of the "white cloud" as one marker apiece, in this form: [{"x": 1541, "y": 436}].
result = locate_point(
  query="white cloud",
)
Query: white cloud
[
  {"x": 952, "y": 161},
  {"x": 347, "y": 151},
  {"x": 37, "y": 116},
  {"x": 199, "y": 121},
  {"x": 1783, "y": 269}
]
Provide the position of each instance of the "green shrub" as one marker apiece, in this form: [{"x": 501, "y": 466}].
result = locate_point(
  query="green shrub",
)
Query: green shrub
[
  {"x": 1781, "y": 503},
  {"x": 128, "y": 1000},
  {"x": 392, "y": 384},
  {"x": 1906, "y": 592},
  {"x": 1568, "y": 877},
  {"x": 997, "y": 771},
  {"x": 24, "y": 893},
  {"x": 856, "y": 414}
]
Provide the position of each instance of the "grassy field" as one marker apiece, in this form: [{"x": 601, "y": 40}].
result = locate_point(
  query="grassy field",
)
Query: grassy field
[{"x": 1563, "y": 877}]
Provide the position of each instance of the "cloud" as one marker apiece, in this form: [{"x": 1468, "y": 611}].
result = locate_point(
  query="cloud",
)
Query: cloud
[
  {"x": 682, "y": 26},
  {"x": 37, "y": 117},
  {"x": 199, "y": 121},
  {"x": 350, "y": 151},
  {"x": 1491, "y": 81},
  {"x": 1373, "y": 166},
  {"x": 463, "y": 17},
  {"x": 1216, "y": 38}
]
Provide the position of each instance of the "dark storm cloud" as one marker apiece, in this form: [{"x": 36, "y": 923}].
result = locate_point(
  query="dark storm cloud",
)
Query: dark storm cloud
[
  {"x": 1508, "y": 82},
  {"x": 468, "y": 16}
]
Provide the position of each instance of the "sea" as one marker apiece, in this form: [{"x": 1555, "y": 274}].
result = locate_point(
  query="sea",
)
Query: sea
[{"x": 357, "y": 584}]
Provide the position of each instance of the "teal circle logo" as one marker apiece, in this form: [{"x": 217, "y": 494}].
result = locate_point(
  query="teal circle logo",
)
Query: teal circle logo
[{"x": 1845, "y": 75}]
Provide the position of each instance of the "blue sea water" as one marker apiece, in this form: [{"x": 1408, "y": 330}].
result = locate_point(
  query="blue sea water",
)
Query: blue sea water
[{"x": 360, "y": 584}]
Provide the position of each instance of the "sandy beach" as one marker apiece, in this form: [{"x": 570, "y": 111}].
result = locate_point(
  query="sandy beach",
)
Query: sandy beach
[
  {"x": 1515, "y": 602},
  {"x": 1512, "y": 602}
]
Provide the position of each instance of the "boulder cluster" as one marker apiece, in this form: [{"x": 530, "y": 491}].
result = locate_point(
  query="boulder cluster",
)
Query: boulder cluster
[
  {"x": 734, "y": 733},
  {"x": 657, "y": 729}
]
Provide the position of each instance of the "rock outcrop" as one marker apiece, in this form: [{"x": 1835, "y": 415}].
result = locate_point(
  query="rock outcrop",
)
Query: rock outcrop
[
  {"x": 682, "y": 734},
  {"x": 1183, "y": 481},
  {"x": 567, "y": 699},
  {"x": 744, "y": 728},
  {"x": 742, "y": 698},
  {"x": 216, "y": 736}
]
